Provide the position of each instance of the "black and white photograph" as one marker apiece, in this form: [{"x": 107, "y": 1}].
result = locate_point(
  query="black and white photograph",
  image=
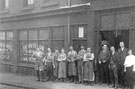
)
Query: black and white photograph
[{"x": 67, "y": 44}]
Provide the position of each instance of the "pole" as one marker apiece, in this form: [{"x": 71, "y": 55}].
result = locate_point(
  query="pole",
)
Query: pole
[{"x": 69, "y": 4}]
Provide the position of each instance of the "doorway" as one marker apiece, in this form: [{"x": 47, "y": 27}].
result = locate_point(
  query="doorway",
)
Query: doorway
[
  {"x": 114, "y": 37},
  {"x": 77, "y": 44}
]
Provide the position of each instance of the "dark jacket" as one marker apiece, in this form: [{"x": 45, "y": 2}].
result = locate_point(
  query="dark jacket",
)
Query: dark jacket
[
  {"x": 114, "y": 59},
  {"x": 104, "y": 56},
  {"x": 122, "y": 55}
]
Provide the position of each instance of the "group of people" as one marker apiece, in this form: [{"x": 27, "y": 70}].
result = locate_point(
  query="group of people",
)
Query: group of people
[
  {"x": 116, "y": 69},
  {"x": 63, "y": 66}
]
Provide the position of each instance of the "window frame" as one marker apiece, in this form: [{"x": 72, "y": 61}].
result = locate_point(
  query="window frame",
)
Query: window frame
[{"x": 6, "y": 42}]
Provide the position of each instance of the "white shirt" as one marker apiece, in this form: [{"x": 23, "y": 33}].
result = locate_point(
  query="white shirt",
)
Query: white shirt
[
  {"x": 87, "y": 59},
  {"x": 129, "y": 61}
]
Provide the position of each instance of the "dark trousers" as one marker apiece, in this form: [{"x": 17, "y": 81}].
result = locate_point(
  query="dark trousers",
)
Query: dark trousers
[
  {"x": 104, "y": 72},
  {"x": 80, "y": 70},
  {"x": 113, "y": 75},
  {"x": 121, "y": 74},
  {"x": 49, "y": 70},
  {"x": 40, "y": 75}
]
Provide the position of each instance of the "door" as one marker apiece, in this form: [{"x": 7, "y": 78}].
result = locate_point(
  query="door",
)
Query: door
[
  {"x": 77, "y": 44},
  {"x": 113, "y": 38}
]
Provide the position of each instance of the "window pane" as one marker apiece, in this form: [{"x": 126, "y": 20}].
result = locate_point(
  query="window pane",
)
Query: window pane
[
  {"x": 9, "y": 50},
  {"x": 6, "y": 3},
  {"x": 33, "y": 35},
  {"x": 9, "y": 35},
  {"x": 43, "y": 34},
  {"x": 2, "y": 50},
  {"x": 30, "y": 2},
  {"x": 2, "y": 35},
  {"x": 43, "y": 45},
  {"x": 31, "y": 48},
  {"x": 23, "y": 35},
  {"x": 58, "y": 33},
  {"x": 23, "y": 51}
]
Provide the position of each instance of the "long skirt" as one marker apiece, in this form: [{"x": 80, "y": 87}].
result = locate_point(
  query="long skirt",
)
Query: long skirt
[
  {"x": 71, "y": 69},
  {"x": 55, "y": 70},
  {"x": 88, "y": 71},
  {"x": 129, "y": 77},
  {"x": 62, "y": 70}
]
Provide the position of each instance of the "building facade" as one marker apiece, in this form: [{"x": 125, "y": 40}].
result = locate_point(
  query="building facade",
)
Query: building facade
[{"x": 26, "y": 24}]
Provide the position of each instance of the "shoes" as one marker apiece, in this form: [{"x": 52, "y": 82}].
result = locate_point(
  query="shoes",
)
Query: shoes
[{"x": 38, "y": 80}]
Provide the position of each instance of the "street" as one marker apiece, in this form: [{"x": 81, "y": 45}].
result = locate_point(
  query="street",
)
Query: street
[{"x": 13, "y": 81}]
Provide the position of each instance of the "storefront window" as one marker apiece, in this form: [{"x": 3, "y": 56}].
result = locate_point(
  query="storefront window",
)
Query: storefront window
[
  {"x": 6, "y": 45},
  {"x": 29, "y": 41}
]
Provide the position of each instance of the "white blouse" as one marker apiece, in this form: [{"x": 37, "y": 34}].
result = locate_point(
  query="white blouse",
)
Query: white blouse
[{"x": 129, "y": 61}]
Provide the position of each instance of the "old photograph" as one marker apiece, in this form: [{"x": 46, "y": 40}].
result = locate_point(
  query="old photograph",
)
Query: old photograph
[{"x": 67, "y": 44}]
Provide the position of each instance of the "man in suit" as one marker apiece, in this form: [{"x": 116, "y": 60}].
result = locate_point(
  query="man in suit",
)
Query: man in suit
[
  {"x": 123, "y": 52},
  {"x": 113, "y": 67}
]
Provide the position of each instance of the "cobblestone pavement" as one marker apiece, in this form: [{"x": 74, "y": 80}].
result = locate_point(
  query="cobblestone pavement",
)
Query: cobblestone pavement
[{"x": 13, "y": 81}]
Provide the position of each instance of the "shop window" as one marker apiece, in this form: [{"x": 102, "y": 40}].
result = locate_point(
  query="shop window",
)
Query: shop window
[
  {"x": 4, "y": 4},
  {"x": 29, "y": 41},
  {"x": 6, "y": 45}
]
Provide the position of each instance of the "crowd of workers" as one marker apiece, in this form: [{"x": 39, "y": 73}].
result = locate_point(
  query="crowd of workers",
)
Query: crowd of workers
[{"x": 115, "y": 68}]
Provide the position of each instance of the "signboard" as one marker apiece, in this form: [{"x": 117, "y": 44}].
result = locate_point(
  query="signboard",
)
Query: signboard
[{"x": 81, "y": 32}]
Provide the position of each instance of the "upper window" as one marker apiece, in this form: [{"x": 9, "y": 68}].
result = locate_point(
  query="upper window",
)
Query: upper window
[
  {"x": 28, "y": 2},
  {"x": 4, "y": 4}
]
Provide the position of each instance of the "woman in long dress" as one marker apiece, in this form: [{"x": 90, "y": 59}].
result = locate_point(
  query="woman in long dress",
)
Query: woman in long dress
[
  {"x": 130, "y": 70},
  {"x": 62, "y": 65},
  {"x": 88, "y": 67}
]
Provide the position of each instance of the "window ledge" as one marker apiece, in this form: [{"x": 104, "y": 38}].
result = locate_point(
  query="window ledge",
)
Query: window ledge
[
  {"x": 5, "y": 11},
  {"x": 54, "y": 3},
  {"x": 29, "y": 7}
]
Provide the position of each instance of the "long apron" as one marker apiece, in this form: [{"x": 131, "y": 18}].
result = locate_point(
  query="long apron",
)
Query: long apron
[{"x": 88, "y": 71}]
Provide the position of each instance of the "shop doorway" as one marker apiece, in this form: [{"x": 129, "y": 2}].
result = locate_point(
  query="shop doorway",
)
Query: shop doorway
[
  {"x": 114, "y": 37},
  {"x": 77, "y": 44}
]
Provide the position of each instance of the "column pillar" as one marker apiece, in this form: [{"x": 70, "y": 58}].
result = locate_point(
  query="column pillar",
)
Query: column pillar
[{"x": 15, "y": 51}]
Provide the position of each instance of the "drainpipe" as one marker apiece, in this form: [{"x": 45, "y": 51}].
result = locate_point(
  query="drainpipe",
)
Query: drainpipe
[{"x": 69, "y": 4}]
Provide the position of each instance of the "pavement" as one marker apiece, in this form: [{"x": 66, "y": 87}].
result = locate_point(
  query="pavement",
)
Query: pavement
[{"x": 15, "y": 81}]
